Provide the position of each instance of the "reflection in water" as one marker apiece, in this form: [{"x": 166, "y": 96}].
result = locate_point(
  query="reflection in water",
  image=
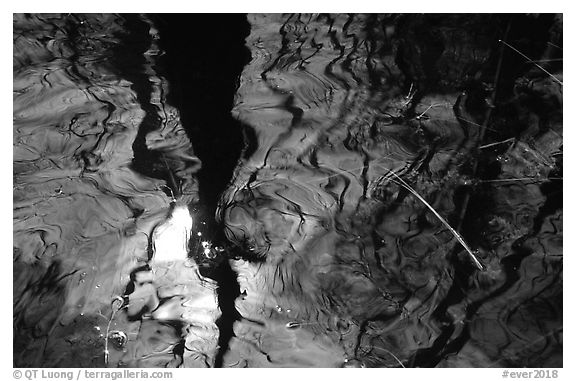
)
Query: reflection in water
[
  {"x": 337, "y": 263},
  {"x": 339, "y": 107},
  {"x": 98, "y": 157}
]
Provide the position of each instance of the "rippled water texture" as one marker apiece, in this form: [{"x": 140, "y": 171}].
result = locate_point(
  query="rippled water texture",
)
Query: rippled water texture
[
  {"x": 359, "y": 131},
  {"x": 88, "y": 226}
]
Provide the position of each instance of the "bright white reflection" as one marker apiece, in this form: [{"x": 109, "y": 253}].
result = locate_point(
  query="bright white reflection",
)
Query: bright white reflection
[
  {"x": 171, "y": 238},
  {"x": 207, "y": 246}
]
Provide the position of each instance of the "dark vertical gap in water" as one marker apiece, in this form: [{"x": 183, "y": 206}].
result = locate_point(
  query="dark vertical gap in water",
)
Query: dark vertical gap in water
[
  {"x": 204, "y": 57},
  {"x": 203, "y": 60},
  {"x": 228, "y": 291}
]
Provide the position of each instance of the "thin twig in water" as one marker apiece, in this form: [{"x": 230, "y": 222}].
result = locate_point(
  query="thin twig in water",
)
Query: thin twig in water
[
  {"x": 391, "y": 354},
  {"x": 432, "y": 105},
  {"x": 548, "y": 60},
  {"x": 532, "y": 61},
  {"x": 410, "y": 95},
  {"x": 497, "y": 143},
  {"x": 452, "y": 230},
  {"x": 114, "y": 310},
  {"x": 411, "y": 190},
  {"x": 483, "y": 128}
]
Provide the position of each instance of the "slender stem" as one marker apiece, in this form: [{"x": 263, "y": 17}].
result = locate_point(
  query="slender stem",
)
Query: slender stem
[
  {"x": 532, "y": 61},
  {"x": 106, "y": 337},
  {"x": 452, "y": 230},
  {"x": 391, "y": 354},
  {"x": 429, "y": 107},
  {"x": 487, "y": 117},
  {"x": 548, "y": 60},
  {"x": 114, "y": 310},
  {"x": 497, "y": 143}
]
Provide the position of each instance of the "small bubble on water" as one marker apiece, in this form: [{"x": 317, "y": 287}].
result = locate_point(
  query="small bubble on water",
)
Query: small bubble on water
[{"x": 118, "y": 339}]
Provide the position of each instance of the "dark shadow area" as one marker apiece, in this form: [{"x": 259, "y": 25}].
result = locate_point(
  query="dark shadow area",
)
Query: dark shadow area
[
  {"x": 228, "y": 291},
  {"x": 520, "y": 111},
  {"x": 203, "y": 60},
  {"x": 204, "y": 57}
]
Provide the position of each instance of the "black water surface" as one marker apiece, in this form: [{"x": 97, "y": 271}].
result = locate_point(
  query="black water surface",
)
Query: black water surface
[
  {"x": 328, "y": 259},
  {"x": 204, "y": 57},
  {"x": 203, "y": 60}
]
